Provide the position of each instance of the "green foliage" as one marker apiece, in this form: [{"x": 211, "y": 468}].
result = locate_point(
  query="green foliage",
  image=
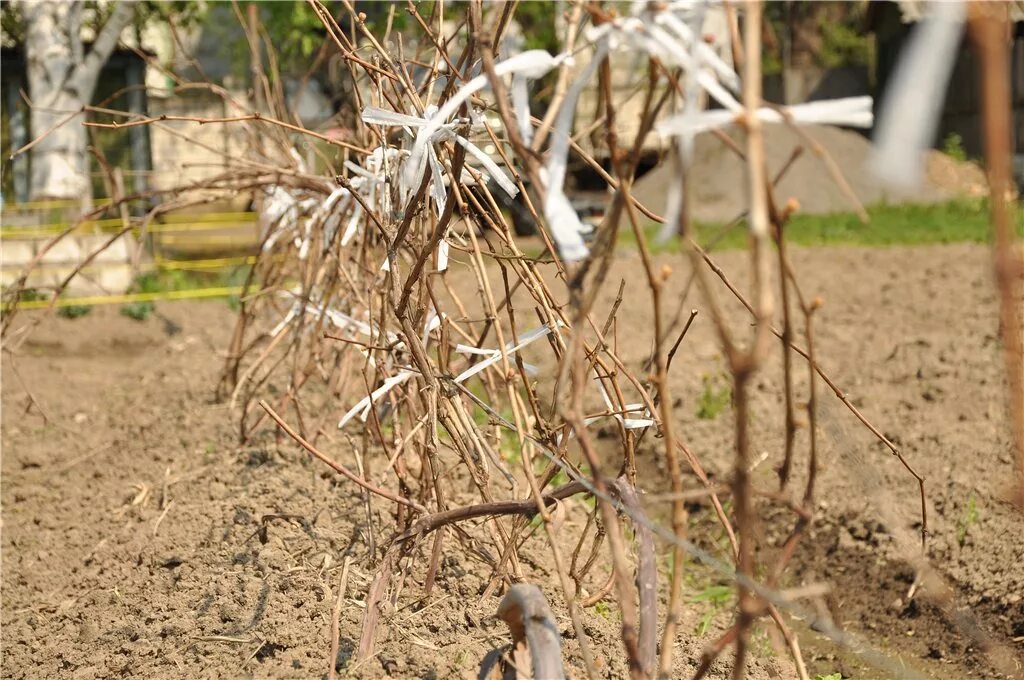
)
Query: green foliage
[
  {"x": 560, "y": 478},
  {"x": 184, "y": 13},
  {"x": 294, "y": 29},
  {"x": 296, "y": 34},
  {"x": 763, "y": 643},
  {"x": 154, "y": 282},
  {"x": 12, "y": 25},
  {"x": 30, "y": 295},
  {"x": 538, "y": 22},
  {"x": 718, "y": 597},
  {"x": 843, "y": 44},
  {"x": 958, "y": 221},
  {"x": 235, "y": 277},
  {"x": 830, "y": 34},
  {"x": 953, "y": 146},
  {"x": 163, "y": 280},
  {"x": 73, "y": 311},
  {"x": 160, "y": 281},
  {"x": 830, "y": 676},
  {"x": 967, "y": 520},
  {"x": 377, "y": 15},
  {"x": 712, "y": 400},
  {"x": 771, "y": 63},
  {"x": 603, "y": 610},
  {"x": 139, "y": 311},
  {"x": 509, "y": 448}
]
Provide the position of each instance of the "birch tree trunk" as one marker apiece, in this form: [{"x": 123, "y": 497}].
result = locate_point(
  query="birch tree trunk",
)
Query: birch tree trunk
[{"x": 62, "y": 78}]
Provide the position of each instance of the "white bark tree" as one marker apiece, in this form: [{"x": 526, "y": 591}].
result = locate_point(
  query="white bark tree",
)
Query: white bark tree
[{"x": 62, "y": 78}]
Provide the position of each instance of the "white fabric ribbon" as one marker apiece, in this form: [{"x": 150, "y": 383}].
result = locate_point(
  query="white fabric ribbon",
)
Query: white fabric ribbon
[
  {"x": 915, "y": 95},
  {"x": 281, "y": 212},
  {"x": 378, "y": 116},
  {"x": 530, "y": 64},
  {"x": 342, "y": 197},
  {"x": 848, "y": 111},
  {"x": 702, "y": 52},
  {"x": 562, "y": 219},
  {"x": 442, "y": 255},
  {"x": 628, "y": 423},
  {"x": 495, "y": 354},
  {"x": 362, "y": 409}
]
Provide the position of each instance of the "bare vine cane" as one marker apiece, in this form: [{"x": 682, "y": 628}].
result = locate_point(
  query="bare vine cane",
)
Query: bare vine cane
[
  {"x": 534, "y": 631},
  {"x": 989, "y": 27}
]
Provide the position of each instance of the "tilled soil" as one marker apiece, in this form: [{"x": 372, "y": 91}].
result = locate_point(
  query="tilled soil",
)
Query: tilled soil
[
  {"x": 140, "y": 540},
  {"x": 910, "y": 335}
]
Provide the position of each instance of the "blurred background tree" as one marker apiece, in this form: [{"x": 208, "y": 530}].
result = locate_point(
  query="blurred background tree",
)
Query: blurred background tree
[
  {"x": 66, "y": 44},
  {"x": 816, "y": 34}
]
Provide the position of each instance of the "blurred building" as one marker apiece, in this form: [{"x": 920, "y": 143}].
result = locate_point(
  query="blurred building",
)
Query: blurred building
[{"x": 157, "y": 70}]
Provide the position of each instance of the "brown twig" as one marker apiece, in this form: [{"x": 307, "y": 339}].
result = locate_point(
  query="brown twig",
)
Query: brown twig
[
  {"x": 332, "y": 660},
  {"x": 989, "y": 28},
  {"x": 646, "y": 577},
  {"x": 337, "y": 467},
  {"x": 253, "y": 117}
]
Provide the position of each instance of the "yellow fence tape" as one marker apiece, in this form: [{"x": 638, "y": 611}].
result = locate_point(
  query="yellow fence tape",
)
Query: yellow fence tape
[
  {"x": 192, "y": 265},
  {"x": 175, "y": 240},
  {"x": 54, "y": 204},
  {"x": 193, "y": 294},
  {"x": 179, "y": 218},
  {"x": 44, "y": 230},
  {"x": 238, "y": 228},
  {"x": 216, "y": 263},
  {"x": 181, "y": 223}
]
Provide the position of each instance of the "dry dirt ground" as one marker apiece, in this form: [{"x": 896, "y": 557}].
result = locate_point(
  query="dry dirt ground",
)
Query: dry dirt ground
[{"x": 140, "y": 540}]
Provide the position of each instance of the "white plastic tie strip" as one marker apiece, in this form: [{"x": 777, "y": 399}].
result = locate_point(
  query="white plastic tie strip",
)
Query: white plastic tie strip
[
  {"x": 442, "y": 255},
  {"x": 648, "y": 37},
  {"x": 628, "y": 423},
  {"x": 914, "y": 97},
  {"x": 281, "y": 212},
  {"x": 433, "y": 323},
  {"x": 354, "y": 220},
  {"x": 848, "y": 111},
  {"x": 496, "y": 173},
  {"x": 562, "y": 219},
  {"x": 701, "y": 50},
  {"x": 362, "y": 409},
  {"x": 340, "y": 320},
  {"x": 530, "y": 64},
  {"x": 467, "y": 349},
  {"x": 292, "y": 313},
  {"x": 510, "y": 348},
  {"x": 521, "y": 105},
  {"x": 424, "y": 154},
  {"x": 331, "y": 219}
]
